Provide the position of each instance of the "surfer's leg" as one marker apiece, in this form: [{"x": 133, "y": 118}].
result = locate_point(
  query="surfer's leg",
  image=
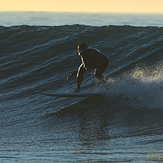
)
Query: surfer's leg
[
  {"x": 80, "y": 75},
  {"x": 98, "y": 72}
]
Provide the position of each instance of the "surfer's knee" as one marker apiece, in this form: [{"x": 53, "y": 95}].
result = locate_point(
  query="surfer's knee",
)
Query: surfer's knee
[{"x": 97, "y": 73}]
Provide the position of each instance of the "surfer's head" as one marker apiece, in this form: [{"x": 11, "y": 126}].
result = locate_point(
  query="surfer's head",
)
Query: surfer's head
[{"x": 82, "y": 46}]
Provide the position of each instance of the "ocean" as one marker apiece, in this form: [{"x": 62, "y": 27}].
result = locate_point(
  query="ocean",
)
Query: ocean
[{"x": 38, "y": 51}]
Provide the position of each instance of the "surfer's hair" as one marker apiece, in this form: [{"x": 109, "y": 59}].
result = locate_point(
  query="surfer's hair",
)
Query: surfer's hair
[{"x": 82, "y": 46}]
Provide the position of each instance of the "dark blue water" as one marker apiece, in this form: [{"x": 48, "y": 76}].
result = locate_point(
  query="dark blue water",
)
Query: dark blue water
[{"x": 124, "y": 125}]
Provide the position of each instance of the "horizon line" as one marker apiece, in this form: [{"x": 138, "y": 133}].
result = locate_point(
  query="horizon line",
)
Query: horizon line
[{"x": 86, "y": 12}]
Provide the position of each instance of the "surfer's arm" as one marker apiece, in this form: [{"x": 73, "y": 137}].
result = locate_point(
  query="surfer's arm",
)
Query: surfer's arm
[
  {"x": 87, "y": 69},
  {"x": 71, "y": 75},
  {"x": 84, "y": 59}
]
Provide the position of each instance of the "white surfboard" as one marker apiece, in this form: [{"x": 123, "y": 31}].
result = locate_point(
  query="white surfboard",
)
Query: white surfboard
[{"x": 73, "y": 94}]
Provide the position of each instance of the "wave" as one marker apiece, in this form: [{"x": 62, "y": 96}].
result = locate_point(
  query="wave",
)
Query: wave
[
  {"x": 129, "y": 113},
  {"x": 38, "y": 58}
]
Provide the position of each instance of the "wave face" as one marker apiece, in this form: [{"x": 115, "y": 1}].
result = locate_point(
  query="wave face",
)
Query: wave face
[{"x": 38, "y": 59}]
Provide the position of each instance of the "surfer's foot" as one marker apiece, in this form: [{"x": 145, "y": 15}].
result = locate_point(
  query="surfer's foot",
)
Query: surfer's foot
[{"x": 102, "y": 80}]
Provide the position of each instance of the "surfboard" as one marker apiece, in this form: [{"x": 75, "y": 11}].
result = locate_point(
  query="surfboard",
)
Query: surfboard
[{"x": 73, "y": 94}]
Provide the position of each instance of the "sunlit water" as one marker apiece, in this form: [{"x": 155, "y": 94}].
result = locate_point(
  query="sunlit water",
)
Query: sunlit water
[{"x": 94, "y": 19}]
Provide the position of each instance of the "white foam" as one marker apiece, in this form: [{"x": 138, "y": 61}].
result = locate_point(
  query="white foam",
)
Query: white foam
[{"x": 143, "y": 89}]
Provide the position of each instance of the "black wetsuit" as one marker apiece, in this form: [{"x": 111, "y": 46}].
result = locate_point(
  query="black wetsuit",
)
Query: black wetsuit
[{"x": 92, "y": 59}]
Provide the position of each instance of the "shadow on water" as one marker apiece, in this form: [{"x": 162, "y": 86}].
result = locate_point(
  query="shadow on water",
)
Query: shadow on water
[
  {"x": 88, "y": 104},
  {"x": 88, "y": 119},
  {"x": 102, "y": 119}
]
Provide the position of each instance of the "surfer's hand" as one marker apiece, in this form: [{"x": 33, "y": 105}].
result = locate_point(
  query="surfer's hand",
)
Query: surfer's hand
[
  {"x": 87, "y": 69},
  {"x": 69, "y": 77}
]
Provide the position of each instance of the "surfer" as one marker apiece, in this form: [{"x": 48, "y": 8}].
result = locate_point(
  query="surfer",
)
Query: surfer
[{"x": 91, "y": 59}]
